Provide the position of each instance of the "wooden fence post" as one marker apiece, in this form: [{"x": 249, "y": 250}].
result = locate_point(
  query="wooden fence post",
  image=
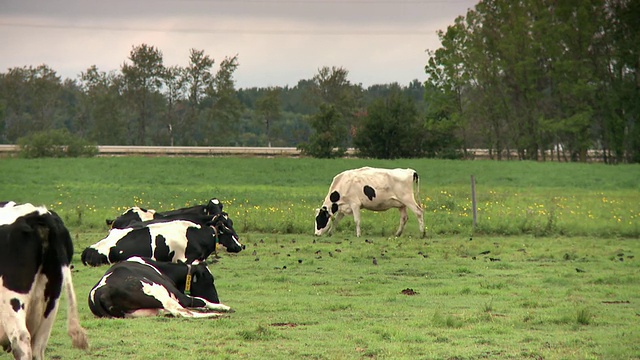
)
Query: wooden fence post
[{"x": 473, "y": 201}]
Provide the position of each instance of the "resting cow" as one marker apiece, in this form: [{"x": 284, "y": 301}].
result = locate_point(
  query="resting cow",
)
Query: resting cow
[
  {"x": 141, "y": 287},
  {"x": 35, "y": 253},
  {"x": 371, "y": 189},
  {"x": 172, "y": 241},
  {"x": 138, "y": 214}
]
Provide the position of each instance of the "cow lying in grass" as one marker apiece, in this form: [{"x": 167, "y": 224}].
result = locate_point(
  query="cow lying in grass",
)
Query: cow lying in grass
[
  {"x": 172, "y": 241},
  {"x": 138, "y": 214},
  {"x": 140, "y": 287}
]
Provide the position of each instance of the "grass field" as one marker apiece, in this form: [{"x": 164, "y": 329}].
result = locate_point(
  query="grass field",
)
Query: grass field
[{"x": 551, "y": 272}]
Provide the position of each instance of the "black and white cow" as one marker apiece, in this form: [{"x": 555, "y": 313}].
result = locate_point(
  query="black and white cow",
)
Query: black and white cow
[
  {"x": 35, "y": 253},
  {"x": 165, "y": 240},
  {"x": 141, "y": 287},
  {"x": 372, "y": 189},
  {"x": 138, "y": 214}
]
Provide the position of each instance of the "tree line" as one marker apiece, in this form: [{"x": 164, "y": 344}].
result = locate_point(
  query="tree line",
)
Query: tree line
[
  {"x": 539, "y": 79},
  {"x": 536, "y": 75}
]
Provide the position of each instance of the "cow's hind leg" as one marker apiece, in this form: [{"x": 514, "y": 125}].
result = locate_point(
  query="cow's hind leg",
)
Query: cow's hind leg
[
  {"x": 40, "y": 339},
  {"x": 403, "y": 220},
  {"x": 169, "y": 303},
  {"x": 420, "y": 215},
  {"x": 13, "y": 323}
]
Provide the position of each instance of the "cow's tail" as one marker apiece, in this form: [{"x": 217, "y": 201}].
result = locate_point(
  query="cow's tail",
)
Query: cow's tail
[
  {"x": 77, "y": 333},
  {"x": 416, "y": 185}
]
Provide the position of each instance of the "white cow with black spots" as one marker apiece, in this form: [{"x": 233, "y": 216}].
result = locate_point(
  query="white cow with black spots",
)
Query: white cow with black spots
[
  {"x": 35, "y": 256},
  {"x": 372, "y": 189}
]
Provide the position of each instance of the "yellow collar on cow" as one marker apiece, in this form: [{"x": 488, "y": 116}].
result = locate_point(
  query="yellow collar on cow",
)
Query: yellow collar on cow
[{"x": 187, "y": 285}]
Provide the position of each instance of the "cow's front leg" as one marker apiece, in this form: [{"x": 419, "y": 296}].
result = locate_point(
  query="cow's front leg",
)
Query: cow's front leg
[
  {"x": 403, "y": 220},
  {"x": 334, "y": 222},
  {"x": 356, "y": 219}
]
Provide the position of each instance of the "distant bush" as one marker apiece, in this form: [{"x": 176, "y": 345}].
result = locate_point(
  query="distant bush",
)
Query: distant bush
[{"x": 55, "y": 143}]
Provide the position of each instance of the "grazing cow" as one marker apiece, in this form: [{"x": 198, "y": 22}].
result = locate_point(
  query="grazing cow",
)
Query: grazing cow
[
  {"x": 161, "y": 240},
  {"x": 138, "y": 214},
  {"x": 371, "y": 189},
  {"x": 141, "y": 287},
  {"x": 35, "y": 253}
]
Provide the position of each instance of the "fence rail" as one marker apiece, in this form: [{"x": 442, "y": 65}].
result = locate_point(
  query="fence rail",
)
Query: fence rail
[{"x": 117, "y": 150}]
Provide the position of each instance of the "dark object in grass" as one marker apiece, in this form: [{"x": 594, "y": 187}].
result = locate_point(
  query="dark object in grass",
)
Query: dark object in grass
[
  {"x": 409, "y": 292},
  {"x": 299, "y": 261},
  {"x": 485, "y": 252},
  {"x": 580, "y": 270},
  {"x": 617, "y": 302},
  {"x": 285, "y": 324},
  {"x": 494, "y": 259},
  {"x": 375, "y": 261}
]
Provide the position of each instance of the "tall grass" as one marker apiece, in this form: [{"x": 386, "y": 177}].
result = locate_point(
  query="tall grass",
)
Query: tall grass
[{"x": 280, "y": 195}]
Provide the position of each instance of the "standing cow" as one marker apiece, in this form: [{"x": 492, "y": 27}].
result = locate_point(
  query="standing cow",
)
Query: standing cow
[
  {"x": 371, "y": 189},
  {"x": 138, "y": 214},
  {"x": 162, "y": 240},
  {"x": 139, "y": 287},
  {"x": 35, "y": 253}
]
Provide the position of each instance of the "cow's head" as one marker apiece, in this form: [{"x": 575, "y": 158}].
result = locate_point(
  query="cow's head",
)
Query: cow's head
[
  {"x": 214, "y": 207},
  {"x": 202, "y": 282},
  {"x": 323, "y": 220},
  {"x": 325, "y": 215},
  {"x": 227, "y": 237}
]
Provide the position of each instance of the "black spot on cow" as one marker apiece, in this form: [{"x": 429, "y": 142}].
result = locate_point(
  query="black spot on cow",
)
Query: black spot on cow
[
  {"x": 334, "y": 208},
  {"x": 16, "y": 305},
  {"x": 334, "y": 197},
  {"x": 369, "y": 192},
  {"x": 162, "y": 250}
]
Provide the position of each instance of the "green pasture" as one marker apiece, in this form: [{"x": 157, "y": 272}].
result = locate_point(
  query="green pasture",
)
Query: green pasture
[
  {"x": 280, "y": 195},
  {"x": 551, "y": 271}
]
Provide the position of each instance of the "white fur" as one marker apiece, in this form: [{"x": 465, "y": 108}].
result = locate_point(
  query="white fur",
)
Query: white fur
[{"x": 9, "y": 214}]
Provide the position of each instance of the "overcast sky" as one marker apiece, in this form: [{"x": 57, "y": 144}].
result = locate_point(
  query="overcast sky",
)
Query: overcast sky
[{"x": 278, "y": 42}]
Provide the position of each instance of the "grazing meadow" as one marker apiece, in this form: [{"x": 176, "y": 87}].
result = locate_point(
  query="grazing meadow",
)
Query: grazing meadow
[{"x": 550, "y": 271}]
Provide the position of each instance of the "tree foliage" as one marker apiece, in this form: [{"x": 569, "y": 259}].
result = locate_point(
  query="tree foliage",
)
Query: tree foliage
[
  {"x": 534, "y": 76},
  {"x": 329, "y": 132},
  {"x": 391, "y": 129}
]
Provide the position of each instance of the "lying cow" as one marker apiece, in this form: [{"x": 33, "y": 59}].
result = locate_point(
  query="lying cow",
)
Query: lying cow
[
  {"x": 35, "y": 253},
  {"x": 141, "y": 287},
  {"x": 172, "y": 241},
  {"x": 371, "y": 189},
  {"x": 138, "y": 214}
]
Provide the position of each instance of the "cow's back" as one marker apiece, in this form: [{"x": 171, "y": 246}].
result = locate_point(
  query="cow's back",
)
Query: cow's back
[{"x": 350, "y": 184}]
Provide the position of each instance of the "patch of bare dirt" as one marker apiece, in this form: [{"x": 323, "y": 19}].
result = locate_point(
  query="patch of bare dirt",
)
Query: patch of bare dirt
[{"x": 285, "y": 324}]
